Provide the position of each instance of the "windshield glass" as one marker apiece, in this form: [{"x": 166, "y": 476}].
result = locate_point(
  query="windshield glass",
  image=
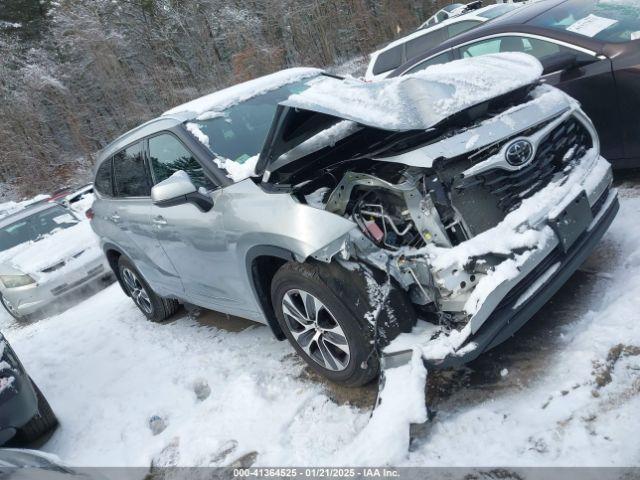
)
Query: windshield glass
[
  {"x": 238, "y": 132},
  {"x": 35, "y": 227},
  {"x": 606, "y": 20}
]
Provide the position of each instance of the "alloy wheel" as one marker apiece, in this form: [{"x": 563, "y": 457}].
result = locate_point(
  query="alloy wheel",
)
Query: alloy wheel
[
  {"x": 9, "y": 307},
  {"x": 137, "y": 291},
  {"x": 316, "y": 330}
]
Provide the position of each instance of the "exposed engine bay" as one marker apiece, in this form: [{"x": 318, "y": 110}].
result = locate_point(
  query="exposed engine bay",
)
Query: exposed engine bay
[
  {"x": 463, "y": 215},
  {"x": 407, "y": 209}
]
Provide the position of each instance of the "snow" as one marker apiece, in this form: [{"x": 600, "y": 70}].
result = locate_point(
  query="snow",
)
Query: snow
[
  {"x": 580, "y": 410},
  {"x": 422, "y": 99},
  {"x": 222, "y": 99},
  {"x": 7, "y": 208},
  {"x": 237, "y": 171},
  {"x": 519, "y": 228},
  {"x": 388, "y": 428},
  {"x": 61, "y": 245},
  {"x": 199, "y": 134}
]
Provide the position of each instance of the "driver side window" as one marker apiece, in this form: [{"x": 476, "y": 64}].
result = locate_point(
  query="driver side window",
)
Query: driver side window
[{"x": 167, "y": 155}]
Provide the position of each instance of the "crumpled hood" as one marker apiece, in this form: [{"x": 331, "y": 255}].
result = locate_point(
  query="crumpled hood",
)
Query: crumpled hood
[{"x": 423, "y": 99}]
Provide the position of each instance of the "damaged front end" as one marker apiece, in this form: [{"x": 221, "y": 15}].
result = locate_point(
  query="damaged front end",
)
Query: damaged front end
[{"x": 480, "y": 217}]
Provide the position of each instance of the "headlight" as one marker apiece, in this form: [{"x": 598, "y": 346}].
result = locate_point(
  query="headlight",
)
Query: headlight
[{"x": 13, "y": 281}]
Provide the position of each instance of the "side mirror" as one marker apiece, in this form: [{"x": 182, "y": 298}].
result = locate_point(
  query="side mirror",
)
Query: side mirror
[{"x": 178, "y": 189}]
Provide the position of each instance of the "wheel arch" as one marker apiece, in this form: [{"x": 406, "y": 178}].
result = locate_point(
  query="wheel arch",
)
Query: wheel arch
[
  {"x": 262, "y": 263},
  {"x": 113, "y": 254}
]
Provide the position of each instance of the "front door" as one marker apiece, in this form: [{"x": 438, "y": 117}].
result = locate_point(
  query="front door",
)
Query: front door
[{"x": 193, "y": 240}]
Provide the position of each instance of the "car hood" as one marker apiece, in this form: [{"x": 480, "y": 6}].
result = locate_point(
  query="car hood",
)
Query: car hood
[
  {"x": 48, "y": 253},
  {"x": 418, "y": 101}
]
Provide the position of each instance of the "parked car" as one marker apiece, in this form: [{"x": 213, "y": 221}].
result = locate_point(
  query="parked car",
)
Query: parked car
[
  {"x": 46, "y": 254},
  {"x": 589, "y": 48},
  {"x": 334, "y": 209},
  {"x": 78, "y": 194},
  {"x": 385, "y": 60},
  {"x": 25, "y": 414},
  {"x": 450, "y": 11}
]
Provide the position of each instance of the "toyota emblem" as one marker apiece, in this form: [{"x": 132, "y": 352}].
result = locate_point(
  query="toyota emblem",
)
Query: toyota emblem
[{"x": 519, "y": 152}]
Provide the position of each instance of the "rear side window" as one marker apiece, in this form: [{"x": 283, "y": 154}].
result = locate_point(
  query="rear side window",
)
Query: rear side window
[
  {"x": 130, "y": 173},
  {"x": 168, "y": 155},
  {"x": 388, "y": 60},
  {"x": 103, "y": 183},
  {"x": 424, "y": 43}
]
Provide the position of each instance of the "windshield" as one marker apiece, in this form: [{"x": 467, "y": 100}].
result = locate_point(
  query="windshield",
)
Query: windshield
[
  {"x": 614, "y": 21},
  {"x": 238, "y": 132},
  {"x": 35, "y": 227}
]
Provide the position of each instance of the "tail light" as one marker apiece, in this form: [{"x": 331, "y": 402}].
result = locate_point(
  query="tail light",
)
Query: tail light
[{"x": 90, "y": 214}]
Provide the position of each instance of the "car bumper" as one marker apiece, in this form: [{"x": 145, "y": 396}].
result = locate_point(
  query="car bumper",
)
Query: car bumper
[
  {"x": 513, "y": 302},
  {"x": 32, "y": 298},
  {"x": 18, "y": 401}
]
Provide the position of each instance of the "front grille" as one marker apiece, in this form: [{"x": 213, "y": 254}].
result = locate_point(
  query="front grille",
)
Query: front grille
[{"x": 557, "y": 152}]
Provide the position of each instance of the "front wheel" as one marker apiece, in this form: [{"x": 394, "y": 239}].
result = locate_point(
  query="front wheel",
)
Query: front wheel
[
  {"x": 325, "y": 311},
  {"x": 11, "y": 310},
  {"x": 154, "y": 307}
]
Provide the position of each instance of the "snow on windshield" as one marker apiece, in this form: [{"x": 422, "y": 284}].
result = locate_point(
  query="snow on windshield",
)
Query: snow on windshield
[{"x": 422, "y": 99}]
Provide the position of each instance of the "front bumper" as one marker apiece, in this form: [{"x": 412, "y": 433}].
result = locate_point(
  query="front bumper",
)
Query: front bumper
[
  {"x": 512, "y": 302},
  {"x": 528, "y": 295},
  {"x": 18, "y": 401},
  {"x": 34, "y": 297}
]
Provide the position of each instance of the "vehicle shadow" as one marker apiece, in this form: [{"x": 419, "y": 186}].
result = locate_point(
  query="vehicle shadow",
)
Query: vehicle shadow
[{"x": 61, "y": 305}]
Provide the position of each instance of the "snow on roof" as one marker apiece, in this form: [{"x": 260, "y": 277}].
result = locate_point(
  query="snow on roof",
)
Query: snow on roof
[
  {"x": 423, "y": 99},
  {"x": 222, "y": 99}
]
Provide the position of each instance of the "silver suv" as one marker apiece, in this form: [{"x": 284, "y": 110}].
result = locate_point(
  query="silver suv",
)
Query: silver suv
[{"x": 340, "y": 212}]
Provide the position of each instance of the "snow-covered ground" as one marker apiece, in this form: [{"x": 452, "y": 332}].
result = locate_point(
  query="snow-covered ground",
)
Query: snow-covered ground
[{"x": 222, "y": 396}]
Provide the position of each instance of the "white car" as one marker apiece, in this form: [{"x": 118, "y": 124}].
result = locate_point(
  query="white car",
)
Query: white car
[
  {"x": 46, "y": 252},
  {"x": 445, "y": 13},
  {"x": 385, "y": 60}
]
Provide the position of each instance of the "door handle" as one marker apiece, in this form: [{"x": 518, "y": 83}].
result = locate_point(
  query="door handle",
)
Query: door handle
[{"x": 160, "y": 220}]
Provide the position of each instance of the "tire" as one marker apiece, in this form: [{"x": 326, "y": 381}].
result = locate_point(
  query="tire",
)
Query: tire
[
  {"x": 341, "y": 299},
  {"x": 153, "y": 306},
  {"x": 10, "y": 311},
  {"x": 41, "y": 423}
]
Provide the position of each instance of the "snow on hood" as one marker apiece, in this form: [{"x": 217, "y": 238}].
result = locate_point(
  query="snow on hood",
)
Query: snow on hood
[
  {"x": 32, "y": 257},
  {"x": 222, "y": 99},
  {"x": 423, "y": 99}
]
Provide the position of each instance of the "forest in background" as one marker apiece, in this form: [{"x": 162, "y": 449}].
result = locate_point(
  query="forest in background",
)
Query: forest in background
[{"x": 74, "y": 74}]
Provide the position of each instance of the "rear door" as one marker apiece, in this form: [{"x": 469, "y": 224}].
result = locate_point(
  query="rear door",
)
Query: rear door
[{"x": 591, "y": 82}]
